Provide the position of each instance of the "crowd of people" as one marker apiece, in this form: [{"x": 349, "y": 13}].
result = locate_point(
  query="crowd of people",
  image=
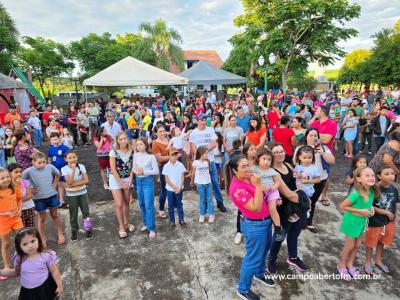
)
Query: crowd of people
[{"x": 273, "y": 154}]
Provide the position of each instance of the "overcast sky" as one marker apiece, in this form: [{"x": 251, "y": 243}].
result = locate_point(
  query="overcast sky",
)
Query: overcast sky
[{"x": 203, "y": 24}]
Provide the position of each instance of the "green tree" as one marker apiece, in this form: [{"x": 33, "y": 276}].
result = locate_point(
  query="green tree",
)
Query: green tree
[
  {"x": 352, "y": 70},
  {"x": 298, "y": 31},
  {"x": 45, "y": 58},
  {"x": 165, "y": 43},
  {"x": 8, "y": 40},
  {"x": 138, "y": 47}
]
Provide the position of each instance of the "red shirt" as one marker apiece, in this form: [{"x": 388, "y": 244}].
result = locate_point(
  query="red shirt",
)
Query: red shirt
[
  {"x": 255, "y": 136},
  {"x": 273, "y": 119},
  {"x": 46, "y": 116},
  {"x": 327, "y": 127},
  {"x": 284, "y": 136}
]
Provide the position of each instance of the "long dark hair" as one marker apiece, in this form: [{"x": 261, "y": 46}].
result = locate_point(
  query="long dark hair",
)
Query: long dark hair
[
  {"x": 303, "y": 149},
  {"x": 232, "y": 166},
  {"x": 18, "y": 239},
  {"x": 255, "y": 118}
]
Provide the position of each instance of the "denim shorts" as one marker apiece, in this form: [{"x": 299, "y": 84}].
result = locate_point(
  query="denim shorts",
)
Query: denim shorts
[{"x": 43, "y": 204}]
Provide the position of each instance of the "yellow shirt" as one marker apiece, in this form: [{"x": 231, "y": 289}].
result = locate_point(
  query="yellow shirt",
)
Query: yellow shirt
[{"x": 132, "y": 124}]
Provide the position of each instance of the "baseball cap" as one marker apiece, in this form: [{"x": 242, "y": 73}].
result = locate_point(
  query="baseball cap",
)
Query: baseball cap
[
  {"x": 201, "y": 116},
  {"x": 172, "y": 150}
]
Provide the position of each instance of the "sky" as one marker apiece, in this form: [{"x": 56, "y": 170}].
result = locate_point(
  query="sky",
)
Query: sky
[{"x": 203, "y": 24}]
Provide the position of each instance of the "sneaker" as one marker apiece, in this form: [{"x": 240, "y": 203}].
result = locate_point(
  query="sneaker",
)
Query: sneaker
[
  {"x": 271, "y": 267},
  {"x": 201, "y": 219},
  {"x": 74, "y": 236},
  {"x": 266, "y": 280},
  {"x": 221, "y": 207},
  {"x": 361, "y": 151},
  {"x": 298, "y": 263},
  {"x": 211, "y": 219},
  {"x": 183, "y": 224},
  {"x": 89, "y": 235},
  {"x": 248, "y": 295},
  {"x": 87, "y": 224},
  {"x": 238, "y": 238},
  {"x": 369, "y": 152}
]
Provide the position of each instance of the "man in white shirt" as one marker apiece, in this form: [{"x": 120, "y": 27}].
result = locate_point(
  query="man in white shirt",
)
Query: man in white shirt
[
  {"x": 205, "y": 136},
  {"x": 112, "y": 127}
]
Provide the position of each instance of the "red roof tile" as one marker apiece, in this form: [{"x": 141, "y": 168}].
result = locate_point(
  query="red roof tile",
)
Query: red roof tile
[{"x": 210, "y": 56}]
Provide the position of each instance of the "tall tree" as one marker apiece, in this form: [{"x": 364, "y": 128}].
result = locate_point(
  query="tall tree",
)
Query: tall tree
[
  {"x": 298, "y": 31},
  {"x": 45, "y": 58},
  {"x": 351, "y": 70},
  {"x": 8, "y": 40},
  {"x": 165, "y": 43}
]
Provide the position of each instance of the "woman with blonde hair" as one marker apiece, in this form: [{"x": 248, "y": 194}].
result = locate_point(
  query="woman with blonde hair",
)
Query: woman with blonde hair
[{"x": 119, "y": 181}]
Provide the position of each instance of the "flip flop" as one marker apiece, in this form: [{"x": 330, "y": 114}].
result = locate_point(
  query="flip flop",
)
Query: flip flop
[
  {"x": 354, "y": 272},
  {"x": 368, "y": 269},
  {"x": 312, "y": 229},
  {"x": 384, "y": 268},
  {"x": 344, "y": 274}
]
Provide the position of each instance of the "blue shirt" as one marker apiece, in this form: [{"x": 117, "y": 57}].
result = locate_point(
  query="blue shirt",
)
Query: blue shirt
[
  {"x": 56, "y": 153},
  {"x": 243, "y": 123}
]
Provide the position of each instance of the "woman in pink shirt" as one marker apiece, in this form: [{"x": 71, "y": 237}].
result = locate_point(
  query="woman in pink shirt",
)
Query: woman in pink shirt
[{"x": 245, "y": 191}]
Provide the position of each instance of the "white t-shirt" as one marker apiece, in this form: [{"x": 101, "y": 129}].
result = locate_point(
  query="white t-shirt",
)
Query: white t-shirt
[
  {"x": 174, "y": 173},
  {"x": 177, "y": 142},
  {"x": 202, "y": 174},
  {"x": 203, "y": 138},
  {"x": 67, "y": 171}
]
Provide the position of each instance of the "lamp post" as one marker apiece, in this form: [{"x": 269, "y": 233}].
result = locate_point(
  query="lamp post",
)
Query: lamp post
[
  {"x": 76, "y": 80},
  {"x": 261, "y": 60}
]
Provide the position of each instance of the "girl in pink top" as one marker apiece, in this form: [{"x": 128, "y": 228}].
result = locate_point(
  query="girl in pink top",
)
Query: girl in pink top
[
  {"x": 37, "y": 268},
  {"x": 246, "y": 192},
  {"x": 103, "y": 143}
]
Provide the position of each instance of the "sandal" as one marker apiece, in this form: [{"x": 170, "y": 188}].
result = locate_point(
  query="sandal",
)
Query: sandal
[
  {"x": 384, "y": 268},
  {"x": 106, "y": 186},
  {"x": 143, "y": 229},
  {"x": 312, "y": 228},
  {"x": 326, "y": 202},
  {"x": 344, "y": 274},
  {"x": 122, "y": 234},
  {"x": 152, "y": 234},
  {"x": 3, "y": 278},
  {"x": 368, "y": 269},
  {"x": 130, "y": 227},
  {"x": 162, "y": 214},
  {"x": 354, "y": 272}
]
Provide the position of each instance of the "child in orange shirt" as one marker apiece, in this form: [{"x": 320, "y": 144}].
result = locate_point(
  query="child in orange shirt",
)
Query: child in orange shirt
[{"x": 10, "y": 214}]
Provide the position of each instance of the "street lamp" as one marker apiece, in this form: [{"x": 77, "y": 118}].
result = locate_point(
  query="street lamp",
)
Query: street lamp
[
  {"x": 261, "y": 60},
  {"x": 76, "y": 80}
]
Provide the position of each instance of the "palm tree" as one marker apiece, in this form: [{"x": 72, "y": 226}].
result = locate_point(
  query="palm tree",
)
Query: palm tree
[
  {"x": 165, "y": 43},
  {"x": 8, "y": 40}
]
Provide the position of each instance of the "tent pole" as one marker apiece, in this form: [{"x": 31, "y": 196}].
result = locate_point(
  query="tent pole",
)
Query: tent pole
[{"x": 84, "y": 93}]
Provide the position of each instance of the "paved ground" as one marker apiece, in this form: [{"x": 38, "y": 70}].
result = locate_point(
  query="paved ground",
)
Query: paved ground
[{"x": 200, "y": 261}]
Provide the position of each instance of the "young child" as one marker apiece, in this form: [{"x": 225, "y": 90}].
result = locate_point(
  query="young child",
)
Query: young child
[
  {"x": 37, "y": 268},
  {"x": 174, "y": 172},
  {"x": 305, "y": 172},
  {"x": 381, "y": 226},
  {"x": 55, "y": 156},
  {"x": 350, "y": 131},
  {"x": 2, "y": 149},
  {"x": 366, "y": 133},
  {"x": 9, "y": 145},
  {"x": 201, "y": 177},
  {"x": 67, "y": 139},
  {"x": 28, "y": 206},
  {"x": 219, "y": 156},
  {"x": 358, "y": 208},
  {"x": 44, "y": 178},
  {"x": 76, "y": 180},
  {"x": 237, "y": 148},
  {"x": 145, "y": 167},
  {"x": 270, "y": 184},
  {"x": 103, "y": 142},
  {"x": 10, "y": 213},
  {"x": 359, "y": 161},
  {"x": 177, "y": 139}
]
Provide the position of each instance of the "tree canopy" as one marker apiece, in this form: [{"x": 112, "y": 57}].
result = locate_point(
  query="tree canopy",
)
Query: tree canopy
[
  {"x": 8, "y": 40},
  {"x": 297, "y": 31}
]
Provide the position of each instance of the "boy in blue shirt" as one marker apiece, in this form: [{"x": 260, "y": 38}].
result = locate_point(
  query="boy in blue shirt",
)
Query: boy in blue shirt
[{"x": 55, "y": 156}]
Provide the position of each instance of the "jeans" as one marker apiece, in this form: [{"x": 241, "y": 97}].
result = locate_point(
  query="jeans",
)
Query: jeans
[
  {"x": 175, "y": 200},
  {"x": 379, "y": 141},
  {"x": 145, "y": 193},
  {"x": 257, "y": 240},
  {"x": 366, "y": 138},
  {"x": 74, "y": 203},
  {"x": 38, "y": 137},
  {"x": 314, "y": 198},
  {"x": 163, "y": 191},
  {"x": 270, "y": 134},
  {"x": 293, "y": 231},
  {"x": 2, "y": 159},
  {"x": 215, "y": 183},
  {"x": 205, "y": 192}
]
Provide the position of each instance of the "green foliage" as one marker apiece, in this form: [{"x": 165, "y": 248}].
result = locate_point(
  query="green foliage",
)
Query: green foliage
[
  {"x": 332, "y": 75},
  {"x": 166, "y": 91},
  {"x": 45, "y": 58},
  {"x": 304, "y": 83},
  {"x": 297, "y": 31},
  {"x": 8, "y": 40},
  {"x": 165, "y": 42},
  {"x": 352, "y": 71}
]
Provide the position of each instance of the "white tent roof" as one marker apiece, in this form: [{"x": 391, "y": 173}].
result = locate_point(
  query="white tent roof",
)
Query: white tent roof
[
  {"x": 10, "y": 83},
  {"x": 130, "y": 72}
]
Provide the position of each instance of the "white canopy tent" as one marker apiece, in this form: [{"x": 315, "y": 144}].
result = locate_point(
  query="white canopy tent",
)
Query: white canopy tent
[{"x": 130, "y": 72}]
